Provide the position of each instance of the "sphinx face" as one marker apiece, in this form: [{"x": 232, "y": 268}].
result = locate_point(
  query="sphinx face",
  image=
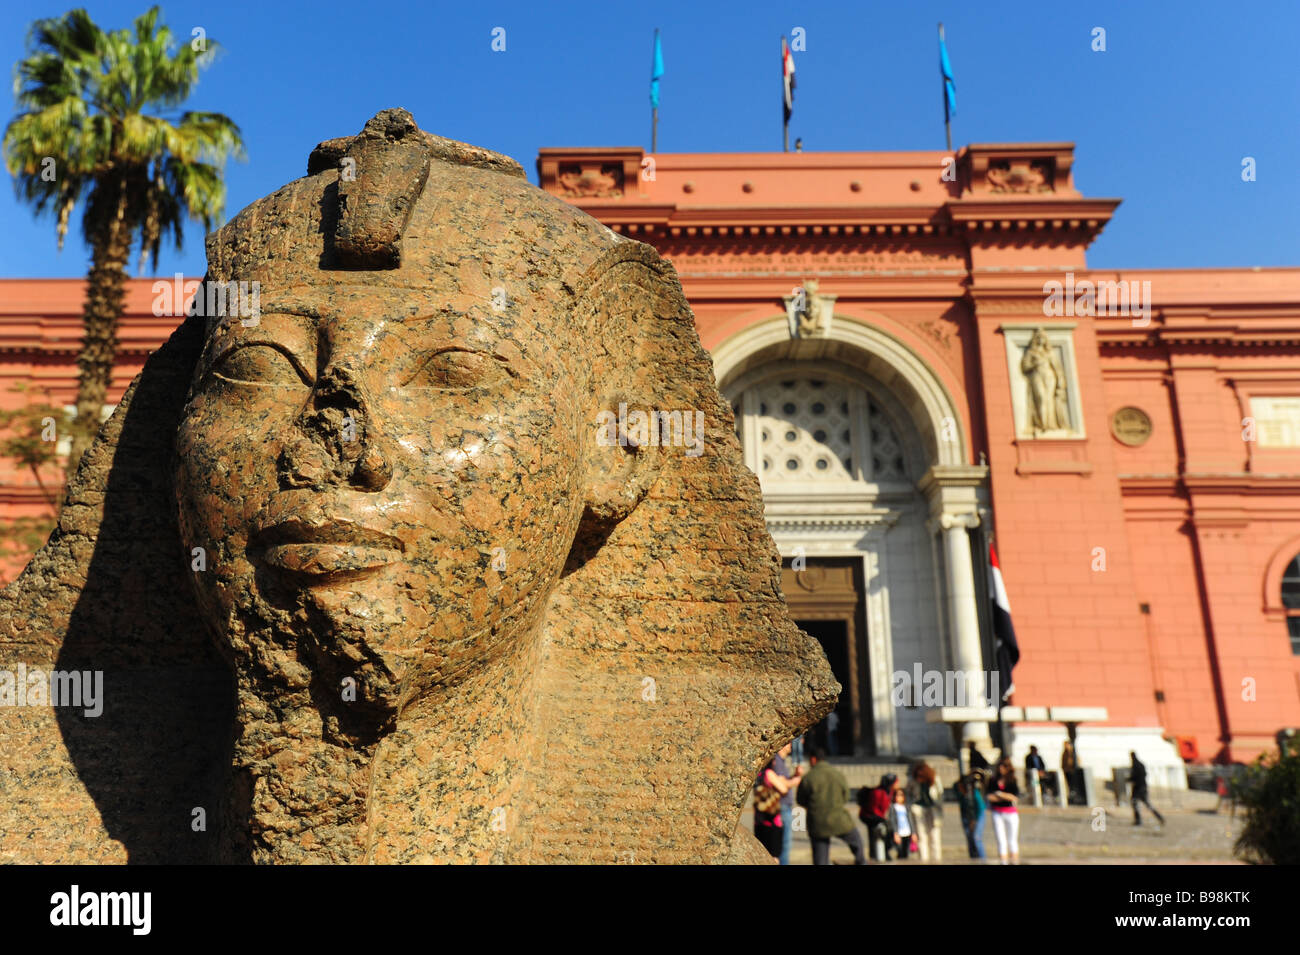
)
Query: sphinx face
[{"x": 390, "y": 476}]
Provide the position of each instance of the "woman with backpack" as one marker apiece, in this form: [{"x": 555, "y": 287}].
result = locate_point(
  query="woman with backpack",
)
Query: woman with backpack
[{"x": 873, "y": 810}]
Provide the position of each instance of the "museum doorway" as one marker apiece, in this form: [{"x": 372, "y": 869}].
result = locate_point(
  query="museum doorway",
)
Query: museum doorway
[
  {"x": 860, "y": 455},
  {"x": 825, "y": 600}
]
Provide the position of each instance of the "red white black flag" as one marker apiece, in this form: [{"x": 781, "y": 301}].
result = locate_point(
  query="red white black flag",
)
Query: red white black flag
[
  {"x": 787, "y": 77},
  {"x": 1005, "y": 645}
]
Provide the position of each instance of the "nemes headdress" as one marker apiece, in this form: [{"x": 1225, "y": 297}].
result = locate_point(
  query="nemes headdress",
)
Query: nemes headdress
[{"x": 668, "y": 670}]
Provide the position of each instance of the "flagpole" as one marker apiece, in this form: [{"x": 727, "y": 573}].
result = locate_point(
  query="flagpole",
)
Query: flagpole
[
  {"x": 656, "y": 73},
  {"x": 943, "y": 80},
  {"x": 785, "y": 119}
]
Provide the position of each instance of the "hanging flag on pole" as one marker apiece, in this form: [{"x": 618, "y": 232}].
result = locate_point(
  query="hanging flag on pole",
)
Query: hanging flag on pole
[
  {"x": 949, "y": 88},
  {"x": 787, "y": 86},
  {"x": 656, "y": 74},
  {"x": 1004, "y": 634}
]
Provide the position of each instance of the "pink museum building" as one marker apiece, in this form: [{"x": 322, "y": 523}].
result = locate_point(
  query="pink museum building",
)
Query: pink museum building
[
  {"x": 917, "y": 367},
  {"x": 920, "y": 362}
]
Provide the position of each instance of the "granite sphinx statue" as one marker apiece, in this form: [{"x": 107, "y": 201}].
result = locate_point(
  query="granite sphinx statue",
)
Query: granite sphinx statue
[{"x": 370, "y": 579}]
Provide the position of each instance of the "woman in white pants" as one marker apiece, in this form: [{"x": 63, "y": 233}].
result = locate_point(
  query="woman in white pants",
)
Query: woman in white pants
[
  {"x": 925, "y": 793},
  {"x": 1003, "y": 794}
]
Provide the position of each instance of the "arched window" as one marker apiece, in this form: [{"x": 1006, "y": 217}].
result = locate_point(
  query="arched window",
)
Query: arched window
[
  {"x": 806, "y": 427},
  {"x": 1291, "y": 602}
]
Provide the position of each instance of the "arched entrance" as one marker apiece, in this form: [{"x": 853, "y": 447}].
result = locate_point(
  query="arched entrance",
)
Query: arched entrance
[{"x": 860, "y": 453}]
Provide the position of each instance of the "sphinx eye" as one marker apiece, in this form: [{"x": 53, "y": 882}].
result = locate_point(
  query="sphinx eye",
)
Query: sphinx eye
[
  {"x": 258, "y": 364},
  {"x": 457, "y": 370}
]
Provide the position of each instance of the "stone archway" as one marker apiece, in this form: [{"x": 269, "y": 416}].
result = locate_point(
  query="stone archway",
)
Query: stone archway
[{"x": 817, "y": 413}]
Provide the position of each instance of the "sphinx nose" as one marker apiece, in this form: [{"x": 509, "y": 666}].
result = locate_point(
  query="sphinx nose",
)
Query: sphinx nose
[{"x": 337, "y": 440}]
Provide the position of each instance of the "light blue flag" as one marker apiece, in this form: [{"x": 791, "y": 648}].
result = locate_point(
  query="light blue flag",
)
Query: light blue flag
[
  {"x": 949, "y": 85},
  {"x": 656, "y": 72}
]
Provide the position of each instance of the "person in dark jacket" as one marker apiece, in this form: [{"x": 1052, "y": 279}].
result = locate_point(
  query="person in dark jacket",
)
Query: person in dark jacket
[
  {"x": 1138, "y": 780},
  {"x": 970, "y": 791},
  {"x": 823, "y": 792},
  {"x": 975, "y": 759},
  {"x": 1035, "y": 768}
]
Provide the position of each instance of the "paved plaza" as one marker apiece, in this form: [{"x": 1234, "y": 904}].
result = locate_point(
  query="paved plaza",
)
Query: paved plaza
[{"x": 1194, "y": 834}]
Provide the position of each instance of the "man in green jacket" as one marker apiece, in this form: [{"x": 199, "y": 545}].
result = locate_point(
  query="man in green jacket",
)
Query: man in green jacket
[{"x": 823, "y": 793}]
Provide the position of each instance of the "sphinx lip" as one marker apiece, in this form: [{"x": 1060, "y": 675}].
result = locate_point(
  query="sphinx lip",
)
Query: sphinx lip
[{"x": 325, "y": 549}]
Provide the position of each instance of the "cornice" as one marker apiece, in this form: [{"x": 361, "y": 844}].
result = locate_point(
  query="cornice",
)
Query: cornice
[
  {"x": 1183, "y": 485},
  {"x": 32, "y": 349},
  {"x": 1067, "y": 218},
  {"x": 1266, "y": 331},
  {"x": 1063, "y": 221},
  {"x": 1242, "y": 482},
  {"x": 776, "y": 221}
]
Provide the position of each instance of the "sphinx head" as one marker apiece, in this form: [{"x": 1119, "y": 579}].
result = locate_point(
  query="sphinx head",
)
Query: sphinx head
[{"x": 389, "y": 464}]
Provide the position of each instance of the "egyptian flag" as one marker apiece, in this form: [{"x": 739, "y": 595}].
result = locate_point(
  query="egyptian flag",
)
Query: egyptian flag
[
  {"x": 1004, "y": 634},
  {"x": 787, "y": 78}
]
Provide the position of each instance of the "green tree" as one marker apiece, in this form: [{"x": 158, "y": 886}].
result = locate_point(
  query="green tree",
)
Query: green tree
[
  {"x": 1269, "y": 789},
  {"x": 30, "y": 442},
  {"x": 98, "y": 123}
]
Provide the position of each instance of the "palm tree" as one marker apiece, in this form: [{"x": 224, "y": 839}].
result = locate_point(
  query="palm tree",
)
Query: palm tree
[{"x": 98, "y": 123}]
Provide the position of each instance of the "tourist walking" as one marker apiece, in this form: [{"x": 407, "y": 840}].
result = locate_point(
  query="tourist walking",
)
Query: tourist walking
[
  {"x": 901, "y": 824},
  {"x": 1003, "y": 795},
  {"x": 774, "y": 805},
  {"x": 823, "y": 791},
  {"x": 1138, "y": 781},
  {"x": 925, "y": 793},
  {"x": 970, "y": 792}
]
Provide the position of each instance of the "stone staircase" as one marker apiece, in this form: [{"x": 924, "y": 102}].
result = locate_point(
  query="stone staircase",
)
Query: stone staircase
[{"x": 866, "y": 771}]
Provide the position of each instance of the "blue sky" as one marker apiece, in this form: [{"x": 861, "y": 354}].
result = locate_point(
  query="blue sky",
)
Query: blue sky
[{"x": 1161, "y": 119}]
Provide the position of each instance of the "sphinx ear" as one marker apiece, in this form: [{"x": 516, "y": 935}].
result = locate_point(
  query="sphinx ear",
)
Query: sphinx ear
[
  {"x": 633, "y": 308},
  {"x": 622, "y": 458}
]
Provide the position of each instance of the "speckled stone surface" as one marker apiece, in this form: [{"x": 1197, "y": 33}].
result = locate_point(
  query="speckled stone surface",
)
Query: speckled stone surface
[{"x": 369, "y": 581}]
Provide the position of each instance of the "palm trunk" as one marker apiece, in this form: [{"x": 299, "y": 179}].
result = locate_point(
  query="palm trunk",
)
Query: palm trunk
[
  {"x": 50, "y": 499},
  {"x": 110, "y": 249}
]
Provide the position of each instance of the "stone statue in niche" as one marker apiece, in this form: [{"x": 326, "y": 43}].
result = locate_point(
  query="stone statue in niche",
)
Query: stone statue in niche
[
  {"x": 1047, "y": 385},
  {"x": 809, "y": 311},
  {"x": 366, "y": 585}
]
